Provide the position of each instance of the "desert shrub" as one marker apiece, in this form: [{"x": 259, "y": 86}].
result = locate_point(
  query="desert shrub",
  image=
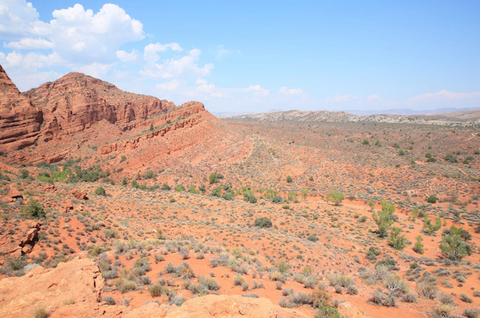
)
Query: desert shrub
[
  {"x": 418, "y": 248},
  {"x": 263, "y": 222},
  {"x": 245, "y": 286},
  {"x": 380, "y": 298},
  {"x": 470, "y": 313},
  {"x": 109, "y": 300},
  {"x": 289, "y": 179},
  {"x": 452, "y": 245},
  {"x": 384, "y": 218},
  {"x": 41, "y": 313},
  {"x": 442, "y": 311},
  {"x": 320, "y": 298},
  {"x": 125, "y": 285},
  {"x": 432, "y": 199},
  {"x": 341, "y": 280},
  {"x": 328, "y": 312},
  {"x": 35, "y": 209},
  {"x": 409, "y": 298},
  {"x": 157, "y": 290},
  {"x": 100, "y": 191},
  {"x": 352, "y": 290},
  {"x": 395, "y": 284},
  {"x": 398, "y": 241},
  {"x": 427, "y": 289},
  {"x": 208, "y": 283},
  {"x": 238, "y": 280},
  {"x": 476, "y": 293},
  {"x": 336, "y": 197},
  {"x": 464, "y": 297}
]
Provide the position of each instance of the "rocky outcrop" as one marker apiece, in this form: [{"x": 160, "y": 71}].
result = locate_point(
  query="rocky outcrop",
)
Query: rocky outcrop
[
  {"x": 222, "y": 306},
  {"x": 347, "y": 310},
  {"x": 192, "y": 116},
  {"x": 77, "y": 101},
  {"x": 20, "y": 121},
  {"x": 73, "y": 289},
  {"x": 20, "y": 243},
  {"x": 79, "y": 195}
]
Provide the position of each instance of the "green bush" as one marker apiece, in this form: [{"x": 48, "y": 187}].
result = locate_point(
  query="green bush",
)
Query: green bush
[
  {"x": 432, "y": 199},
  {"x": 100, "y": 191},
  {"x": 263, "y": 222},
  {"x": 35, "y": 209}
]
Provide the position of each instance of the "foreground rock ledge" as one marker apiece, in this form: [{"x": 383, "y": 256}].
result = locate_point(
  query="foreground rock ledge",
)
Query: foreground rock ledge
[{"x": 73, "y": 289}]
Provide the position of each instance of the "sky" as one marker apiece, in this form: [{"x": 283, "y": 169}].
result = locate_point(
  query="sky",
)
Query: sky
[{"x": 255, "y": 56}]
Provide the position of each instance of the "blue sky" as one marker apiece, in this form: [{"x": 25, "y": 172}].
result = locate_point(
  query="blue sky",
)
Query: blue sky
[{"x": 252, "y": 56}]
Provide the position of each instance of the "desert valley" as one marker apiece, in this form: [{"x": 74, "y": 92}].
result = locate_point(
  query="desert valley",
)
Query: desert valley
[{"x": 115, "y": 204}]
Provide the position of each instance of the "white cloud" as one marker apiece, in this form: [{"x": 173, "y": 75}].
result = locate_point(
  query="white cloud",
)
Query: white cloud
[
  {"x": 18, "y": 19},
  {"x": 127, "y": 57},
  {"x": 292, "y": 91},
  {"x": 207, "y": 88},
  {"x": 257, "y": 89},
  {"x": 77, "y": 35},
  {"x": 201, "y": 81},
  {"x": 2, "y": 58},
  {"x": 184, "y": 66},
  {"x": 373, "y": 97},
  {"x": 221, "y": 52},
  {"x": 150, "y": 51},
  {"x": 95, "y": 69},
  {"x": 32, "y": 60},
  {"x": 219, "y": 95},
  {"x": 168, "y": 86},
  {"x": 341, "y": 98},
  {"x": 444, "y": 95},
  {"x": 29, "y": 44},
  {"x": 80, "y": 35}
]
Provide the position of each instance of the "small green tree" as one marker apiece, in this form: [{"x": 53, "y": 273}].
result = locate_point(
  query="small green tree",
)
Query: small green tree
[
  {"x": 336, "y": 197},
  {"x": 124, "y": 181},
  {"x": 100, "y": 191},
  {"x": 418, "y": 248},
  {"x": 432, "y": 199},
  {"x": 166, "y": 187},
  {"x": 149, "y": 174},
  {"x": 452, "y": 245},
  {"x": 429, "y": 228},
  {"x": 371, "y": 204},
  {"x": 24, "y": 174},
  {"x": 151, "y": 127},
  {"x": 415, "y": 213},
  {"x": 249, "y": 196},
  {"x": 384, "y": 218},
  {"x": 212, "y": 178},
  {"x": 289, "y": 179},
  {"x": 304, "y": 193},
  {"x": 193, "y": 189},
  {"x": 35, "y": 209},
  {"x": 179, "y": 188},
  {"x": 396, "y": 240}
]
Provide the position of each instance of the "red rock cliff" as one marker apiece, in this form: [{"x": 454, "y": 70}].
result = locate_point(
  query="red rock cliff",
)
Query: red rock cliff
[
  {"x": 77, "y": 101},
  {"x": 20, "y": 121}
]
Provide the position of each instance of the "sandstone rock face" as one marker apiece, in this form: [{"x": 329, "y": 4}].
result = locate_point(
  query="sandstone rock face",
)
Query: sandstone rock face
[
  {"x": 76, "y": 101},
  {"x": 21, "y": 242},
  {"x": 77, "y": 281},
  {"x": 347, "y": 310},
  {"x": 222, "y": 306},
  {"x": 231, "y": 307},
  {"x": 20, "y": 121},
  {"x": 79, "y": 195}
]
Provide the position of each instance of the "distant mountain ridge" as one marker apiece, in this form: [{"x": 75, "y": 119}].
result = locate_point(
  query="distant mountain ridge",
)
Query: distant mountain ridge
[{"x": 461, "y": 118}]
